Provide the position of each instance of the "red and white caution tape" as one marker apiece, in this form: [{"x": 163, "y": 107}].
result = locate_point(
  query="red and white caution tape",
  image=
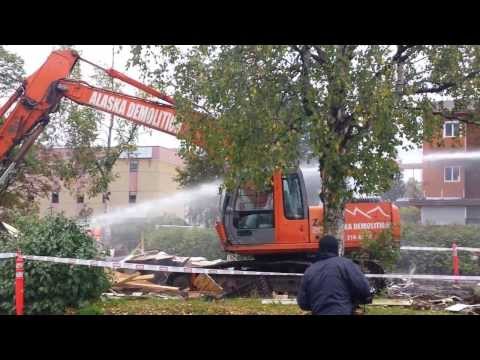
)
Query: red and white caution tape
[
  {"x": 429, "y": 248},
  {"x": 161, "y": 268},
  {"x": 180, "y": 269},
  {"x": 425, "y": 277}
]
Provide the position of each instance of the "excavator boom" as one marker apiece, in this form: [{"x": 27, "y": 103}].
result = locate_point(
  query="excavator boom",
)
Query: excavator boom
[
  {"x": 140, "y": 111},
  {"x": 41, "y": 93},
  {"x": 33, "y": 102}
]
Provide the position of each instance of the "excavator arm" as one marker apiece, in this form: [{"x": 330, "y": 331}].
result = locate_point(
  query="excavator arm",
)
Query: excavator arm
[
  {"x": 33, "y": 100},
  {"x": 140, "y": 111},
  {"x": 41, "y": 93}
]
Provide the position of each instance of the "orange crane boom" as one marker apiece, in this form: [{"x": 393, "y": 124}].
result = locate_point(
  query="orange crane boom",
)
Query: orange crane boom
[{"x": 41, "y": 93}]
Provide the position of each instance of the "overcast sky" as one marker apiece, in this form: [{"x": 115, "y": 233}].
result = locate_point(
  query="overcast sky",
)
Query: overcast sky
[{"x": 35, "y": 55}]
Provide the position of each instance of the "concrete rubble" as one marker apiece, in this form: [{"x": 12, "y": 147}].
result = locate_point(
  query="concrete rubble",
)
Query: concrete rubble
[{"x": 438, "y": 295}]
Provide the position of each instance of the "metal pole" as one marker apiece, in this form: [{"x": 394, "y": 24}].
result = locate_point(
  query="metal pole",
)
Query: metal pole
[
  {"x": 19, "y": 284},
  {"x": 456, "y": 271}
]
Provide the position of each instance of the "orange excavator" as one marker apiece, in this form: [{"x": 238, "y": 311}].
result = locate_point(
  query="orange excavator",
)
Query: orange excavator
[
  {"x": 276, "y": 227},
  {"x": 279, "y": 220},
  {"x": 281, "y": 232}
]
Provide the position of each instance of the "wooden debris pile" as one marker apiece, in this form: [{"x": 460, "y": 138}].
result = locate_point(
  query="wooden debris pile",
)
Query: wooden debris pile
[
  {"x": 137, "y": 282},
  {"x": 138, "y": 285}
]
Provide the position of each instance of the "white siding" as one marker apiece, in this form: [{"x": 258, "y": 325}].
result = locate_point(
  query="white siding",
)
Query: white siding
[{"x": 443, "y": 215}]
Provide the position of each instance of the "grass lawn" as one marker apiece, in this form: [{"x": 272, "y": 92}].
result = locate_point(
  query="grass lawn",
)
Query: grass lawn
[{"x": 220, "y": 307}]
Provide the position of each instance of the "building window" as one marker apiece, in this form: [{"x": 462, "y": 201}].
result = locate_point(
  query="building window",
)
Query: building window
[
  {"x": 451, "y": 129},
  {"x": 452, "y": 174},
  {"x": 132, "y": 198},
  {"x": 134, "y": 165},
  {"x": 55, "y": 197},
  {"x": 80, "y": 199}
]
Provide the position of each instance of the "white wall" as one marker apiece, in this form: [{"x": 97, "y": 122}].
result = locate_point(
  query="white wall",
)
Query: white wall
[{"x": 443, "y": 215}]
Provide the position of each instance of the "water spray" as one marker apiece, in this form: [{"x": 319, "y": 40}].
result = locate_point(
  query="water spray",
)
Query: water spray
[
  {"x": 155, "y": 207},
  {"x": 473, "y": 155}
]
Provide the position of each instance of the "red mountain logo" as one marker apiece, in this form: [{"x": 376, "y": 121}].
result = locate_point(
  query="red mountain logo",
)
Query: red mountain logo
[{"x": 369, "y": 213}]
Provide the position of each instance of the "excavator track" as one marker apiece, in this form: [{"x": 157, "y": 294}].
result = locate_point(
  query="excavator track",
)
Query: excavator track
[
  {"x": 264, "y": 286},
  {"x": 251, "y": 285}
]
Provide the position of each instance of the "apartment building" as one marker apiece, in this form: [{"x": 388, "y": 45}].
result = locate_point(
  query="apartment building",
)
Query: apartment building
[
  {"x": 145, "y": 174},
  {"x": 451, "y": 176}
]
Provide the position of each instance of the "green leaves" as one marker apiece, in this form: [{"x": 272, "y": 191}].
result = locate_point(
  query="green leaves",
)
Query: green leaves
[
  {"x": 381, "y": 248},
  {"x": 49, "y": 287},
  {"x": 351, "y": 105},
  {"x": 11, "y": 72}
]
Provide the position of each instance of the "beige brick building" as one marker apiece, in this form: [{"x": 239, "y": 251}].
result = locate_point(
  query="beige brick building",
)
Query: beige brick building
[{"x": 146, "y": 174}]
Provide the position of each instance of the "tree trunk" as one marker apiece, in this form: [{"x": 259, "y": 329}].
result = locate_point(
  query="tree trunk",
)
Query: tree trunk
[
  {"x": 109, "y": 139},
  {"x": 333, "y": 223},
  {"x": 333, "y": 208},
  {"x": 109, "y": 146}
]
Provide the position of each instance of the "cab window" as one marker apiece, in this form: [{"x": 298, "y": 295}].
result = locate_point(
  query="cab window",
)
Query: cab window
[
  {"x": 253, "y": 209},
  {"x": 292, "y": 197}
]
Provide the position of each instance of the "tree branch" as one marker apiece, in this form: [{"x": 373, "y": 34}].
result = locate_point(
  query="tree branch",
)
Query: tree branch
[
  {"x": 306, "y": 103},
  {"x": 348, "y": 51},
  {"x": 446, "y": 85},
  {"x": 399, "y": 56},
  {"x": 320, "y": 57},
  {"x": 462, "y": 116},
  {"x": 349, "y": 134}
]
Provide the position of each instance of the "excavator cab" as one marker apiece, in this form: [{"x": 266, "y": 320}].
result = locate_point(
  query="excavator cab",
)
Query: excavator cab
[
  {"x": 279, "y": 220},
  {"x": 249, "y": 216},
  {"x": 260, "y": 217}
]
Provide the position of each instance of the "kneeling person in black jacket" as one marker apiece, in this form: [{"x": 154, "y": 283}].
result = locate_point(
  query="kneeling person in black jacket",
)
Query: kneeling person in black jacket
[{"x": 333, "y": 285}]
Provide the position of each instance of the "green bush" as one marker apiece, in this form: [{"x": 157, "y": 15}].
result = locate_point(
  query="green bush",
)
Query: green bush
[
  {"x": 50, "y": 288},
  {"x": 382, "y": 249},
  {"x": 185, "y": 242},
  {"x": 427, "y": 262},
  {"x": 440, "y": 235}
]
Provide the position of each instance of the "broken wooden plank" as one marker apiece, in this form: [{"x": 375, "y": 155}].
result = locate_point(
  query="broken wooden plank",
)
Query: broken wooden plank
[
  {"x": 461, "y": 307},
  {"x": 445, "y": 301},
  {"x": 144, "y": 277},
  {"x": 280, "y": 301},
  {"x": 391, "y": 302},
  {"x": 457, "y": 307},
  {"x": 143, "y": 284},
  {"x": 205, "y": 283},
  {"x": 121, "y": 278},
  {"x": 194, "y": 295}
]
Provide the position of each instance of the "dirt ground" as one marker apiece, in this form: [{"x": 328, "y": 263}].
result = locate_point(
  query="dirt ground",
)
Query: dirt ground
[{"x": 219, "y": 307}]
